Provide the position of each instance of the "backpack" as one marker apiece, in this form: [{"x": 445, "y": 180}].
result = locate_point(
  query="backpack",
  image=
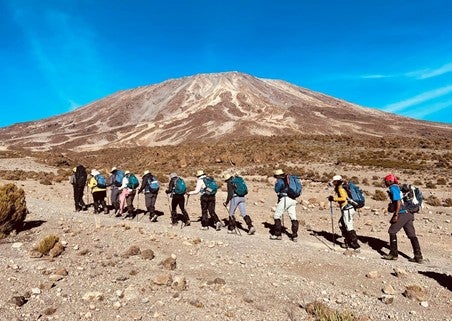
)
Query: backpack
[
  {"x": 153, "y": 184},
  {"x": 355, "y": 195},
  {"x": 412, "y": 198},
  {"x": 101, "y": 182},
  {"x": 179, "y": 186},
  {"x": 133, "y": 181},
  {"x": 80, "y": 176},
  {"x": 119, "y": 175},
  {"x": 240, "y": 187},
  {"x": 211, "y": 185},
  {"x": 294, "y": 187}
]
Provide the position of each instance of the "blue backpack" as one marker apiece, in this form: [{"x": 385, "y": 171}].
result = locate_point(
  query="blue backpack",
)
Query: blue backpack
[
  {"x": 179, "y": 186},
  {"x": 119, "y": 175},
  {"x": 101, "y": 182},
  {"x": 294, "y": 187},
  {"x": 355, "y": 195},
  {"x": 240, "y": 187},
  {"x": 133, "y": 182},
  {"x": 153, "y": 184},
  {"x": 211, "y": 185}
]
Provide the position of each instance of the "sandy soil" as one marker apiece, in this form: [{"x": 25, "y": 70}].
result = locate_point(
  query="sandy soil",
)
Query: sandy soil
[{"x": 219, "y": 276}]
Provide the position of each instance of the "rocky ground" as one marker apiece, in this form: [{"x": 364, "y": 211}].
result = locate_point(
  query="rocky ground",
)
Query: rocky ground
[{"x": 114, "y": 269}]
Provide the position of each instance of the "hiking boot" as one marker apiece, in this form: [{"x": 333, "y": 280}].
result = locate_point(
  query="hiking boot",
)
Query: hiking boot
[
  {"x": 276, "y": 237},
  {"x": 153, "y": 218},
  {"x": 204, "y": 228},
  {"x": 106, "y": 211},
  {"x": 417, "y": 259},
  {"x": 187, "y": 223},
  {"x": 252, "y": 230},
  {"x": 232, "y": 232},
  {"x": 118, "y": 214},
  {"x": 390, "y": 257},
  {"x": 295, "y": 239},
  {"x": 218, "y": 225}
]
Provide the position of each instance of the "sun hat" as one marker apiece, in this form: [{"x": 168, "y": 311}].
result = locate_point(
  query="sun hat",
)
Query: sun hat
[
  {"x": 172, "y": 175},
  {"x": 226, "y": 176},
  {"x": 113, "y": 169},
  {"x": 74, "y": 169},
  {"x": 199, "y": 173},
  {"x": 146, "y": 172},
  {"x": 278, "y": 172},
  {"x": 126, "y": 172},
  {"x": 94, "y": 172},
  {"x": 337, "y": 178}
]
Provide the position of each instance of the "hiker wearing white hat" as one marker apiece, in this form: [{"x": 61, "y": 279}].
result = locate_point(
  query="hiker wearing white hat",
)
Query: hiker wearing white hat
[
  {"x": 286, "y": 202},
  {"x": 150, "y": 185},
  {"x": 347, "y": 213},
  {"x": 98, "y": 186},
  {"x": 207, "y": 186},
  {"x": 128, "y": 190}
]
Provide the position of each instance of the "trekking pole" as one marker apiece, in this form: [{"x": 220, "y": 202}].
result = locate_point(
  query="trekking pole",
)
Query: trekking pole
[
  {"x": 232, "y": 218},
  {"x": 332, "y": 223},
  {"x": 186, "y": 203},
  {"x": 138, "y": 204}
]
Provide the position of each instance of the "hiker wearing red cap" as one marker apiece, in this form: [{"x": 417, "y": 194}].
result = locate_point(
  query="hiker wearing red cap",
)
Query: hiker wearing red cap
[{"x": 401, "y": 218}]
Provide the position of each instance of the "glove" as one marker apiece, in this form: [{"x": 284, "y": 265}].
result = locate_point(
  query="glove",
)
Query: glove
[
  {"x": 394, "y": 218},
  {"x": 331, "y": 198}
]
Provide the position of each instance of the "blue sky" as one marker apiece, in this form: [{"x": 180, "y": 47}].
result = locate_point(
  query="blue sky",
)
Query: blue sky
[{"x": 57, "y": 55}]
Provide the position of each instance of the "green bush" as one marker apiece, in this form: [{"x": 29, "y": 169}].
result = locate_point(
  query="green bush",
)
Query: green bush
[
  {"x": 47, "y": 243},
  {"x": 13, "y": 208}
]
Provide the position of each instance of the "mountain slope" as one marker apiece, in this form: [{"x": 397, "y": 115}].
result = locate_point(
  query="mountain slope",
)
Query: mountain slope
[{"x": 209, "y": 107}]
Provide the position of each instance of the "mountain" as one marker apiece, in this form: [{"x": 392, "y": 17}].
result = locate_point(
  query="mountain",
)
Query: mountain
[{"x": 209, "y": 107}]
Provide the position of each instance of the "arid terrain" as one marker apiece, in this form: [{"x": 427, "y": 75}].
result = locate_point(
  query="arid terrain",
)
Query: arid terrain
[{"x": 106, "y": 271}]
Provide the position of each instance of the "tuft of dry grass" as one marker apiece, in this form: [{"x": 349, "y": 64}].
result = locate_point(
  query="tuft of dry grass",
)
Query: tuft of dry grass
[
  {"x": 13, "y": 208},
  {"x": 321, "y": 312},
  {"x": 47, "y": 243},
  {"x": 379, "y": 195}
]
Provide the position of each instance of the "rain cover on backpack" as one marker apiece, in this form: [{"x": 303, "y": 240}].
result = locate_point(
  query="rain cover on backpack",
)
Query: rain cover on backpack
[
  {"x": 294, "y": 187},
  {"x": 240, "y": 187},
  {"x": 101, "y": 182},
  {"x": 355, "y": 195},
  {"x": 211, "y": 185},
  {"x": 179, "y": 186}
]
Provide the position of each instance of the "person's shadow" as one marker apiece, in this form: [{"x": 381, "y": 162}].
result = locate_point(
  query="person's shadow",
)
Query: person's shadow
[
  {"x": 271, "y": 229},
  {"x": 442, "y": 278}
]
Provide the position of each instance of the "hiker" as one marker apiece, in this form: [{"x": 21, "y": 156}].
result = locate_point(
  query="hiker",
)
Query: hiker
[
  {"x": 128, "y": 190},
  {"x": 98, "y": 187},
  {"x": 176, "y": 190},
  {"x": 114, "y": 182},
  {"x": 78, "y": 181},
  {"x": 236, "y": 199},
  {"x": 347, "y": 213},
  {"x": 285, "y": 203},
  {"x": 401, "y": 218},
  {"x": 150, "y": 186},
  {"x": 207, "y": 199}
]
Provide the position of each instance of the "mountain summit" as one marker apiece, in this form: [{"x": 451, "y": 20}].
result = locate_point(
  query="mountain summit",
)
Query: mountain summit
[{"x": 209, "y": 107}]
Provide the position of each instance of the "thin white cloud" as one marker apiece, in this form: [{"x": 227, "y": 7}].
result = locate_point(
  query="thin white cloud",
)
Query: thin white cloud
[
  {"x": 376, "y": 76},
  {"x": 430, "y": 73},
  {"x": 424, "y": 111},
  {"x": 426, "y": 96}
]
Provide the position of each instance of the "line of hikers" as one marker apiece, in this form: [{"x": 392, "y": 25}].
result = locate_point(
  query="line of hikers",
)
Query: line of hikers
[{"x": 124, "y": 185}]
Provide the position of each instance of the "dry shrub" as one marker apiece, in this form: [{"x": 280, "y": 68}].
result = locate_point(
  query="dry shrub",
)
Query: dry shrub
[
  {"x": 13, "y": 208},
  {"x": 430, "y": 185},
  {"x": 47, "y": 243},
  {"x": 433, "y": 201},
  {"x": 441, "y": 181},
  {"x": 379, "y": 195},
  {"x": 322, "y": 312},
  {"x": 447, "y": 202}
]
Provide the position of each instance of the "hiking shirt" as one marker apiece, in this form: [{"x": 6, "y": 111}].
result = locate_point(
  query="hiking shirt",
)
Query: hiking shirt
[
  {"x": 172, "y": 185},
  {"x": 145, "y": 183},
  {"x": 231, "y": 191},
  {"x": 125, "y": 181},
  {"x": 200, "y": 186},
  {"x": 341, "y": 196},
  {"x": 111, "y": 181},
  {"x": 281, "y": 187},
  {"x": 93, "y": 185},
  {"x": 396, "y": 196}
]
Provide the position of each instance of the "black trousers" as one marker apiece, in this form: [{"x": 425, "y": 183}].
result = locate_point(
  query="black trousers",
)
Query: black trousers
[
  {"x": 208, "y": 206},
  {"x": 78, "y": 197},
  {"x": 178, "y": 200},
  {"x": 99, "y": 200}
]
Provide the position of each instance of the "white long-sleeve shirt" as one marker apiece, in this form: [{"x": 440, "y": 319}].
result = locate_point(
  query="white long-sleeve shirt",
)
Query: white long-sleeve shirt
[
  {"x": 200, "y": 186},
  {"x": 125, "y": 181}
]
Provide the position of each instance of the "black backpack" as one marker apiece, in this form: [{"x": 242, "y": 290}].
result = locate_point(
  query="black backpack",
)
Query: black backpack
[{"x": 80, "y": 176}]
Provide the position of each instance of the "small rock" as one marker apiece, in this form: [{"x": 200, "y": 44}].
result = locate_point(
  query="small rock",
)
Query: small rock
[
  {"x": 117, "y": 305},
  {"x": 424, "y": 304},
  {"x": 133, "y": 250},
  {"x": 17, "y": 245},
  {"x": 415, "y": 292},
  {"x": 61, "y": 271},
  {"x": 36, "y": 291},
  {"x": 56, "y": 250},
  {"x": 373, "y": 275},
  {"x": 401, "y": 273},
  {"x": 197, "y": 303},
  {"x": 169, "y": 263},
  {"x": 49, "y": 311},
  {"x": 179, "y": 283},
  {"x": 18, "y": 300},
  {"x": 93, "y": 296},
  {"x": 55, "y": 277},
  {"x": 387, "y": 299},
  {"x": 388, "y": 289},
  {"x": 163, "y": 279},
  {"x": 147, "y": 254}
]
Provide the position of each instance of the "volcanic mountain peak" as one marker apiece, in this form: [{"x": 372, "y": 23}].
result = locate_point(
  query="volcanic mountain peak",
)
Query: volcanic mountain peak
[{"x": 208, "y": 107}]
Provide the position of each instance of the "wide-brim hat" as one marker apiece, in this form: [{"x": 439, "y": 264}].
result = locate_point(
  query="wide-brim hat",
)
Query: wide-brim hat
[
  {"x": 126, "y": 172},
  {"x": 113, "y": 169},
  {"x": 172, "y": 175},
  {"x": 74, "y": 169},
  {"x": 146, "y": 172},
  {"x": 226, "y": 176},
  {"x": 94, "y": 172},
  {"x": 337, "y": 178},
  {"x": 199, "y": 173},
  {"x": 278, "y": 172}
]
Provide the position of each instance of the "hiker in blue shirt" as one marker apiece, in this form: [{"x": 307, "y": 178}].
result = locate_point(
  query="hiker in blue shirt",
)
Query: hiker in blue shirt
[
  {"x": 400, "y": 219},
  {"x": 285, "y": 203}
]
